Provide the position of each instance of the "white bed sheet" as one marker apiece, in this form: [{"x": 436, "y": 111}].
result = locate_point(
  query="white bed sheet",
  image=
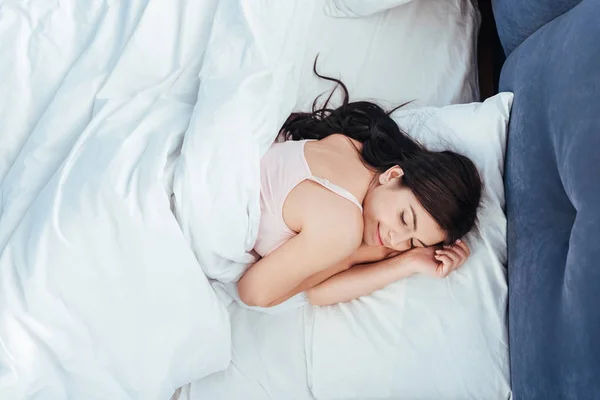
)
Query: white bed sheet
[{"x": 268, "y": 360}]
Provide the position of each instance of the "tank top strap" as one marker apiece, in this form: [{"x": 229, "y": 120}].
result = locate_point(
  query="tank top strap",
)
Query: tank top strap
[{"x": 340, "y": 191}]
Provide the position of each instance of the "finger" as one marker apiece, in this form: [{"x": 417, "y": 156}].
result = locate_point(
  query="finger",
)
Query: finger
[
  {"x": 458, "y": 250},
  {"x": 461, "y": 247},
  {"x": 446, "y": 264},
  {"x": 441, "y": 271},
  {"x": 451, "y": 255},
  {"x": 464, "y": 246},
  {"x": 457, "y": 259},
  {"x": 444, "y": 269}
]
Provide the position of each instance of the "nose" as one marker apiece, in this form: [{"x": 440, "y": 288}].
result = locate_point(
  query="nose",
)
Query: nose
[{"x": 399, "y": 240}]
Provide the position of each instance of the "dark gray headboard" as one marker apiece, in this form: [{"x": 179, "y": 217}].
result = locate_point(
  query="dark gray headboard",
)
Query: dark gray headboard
[{"x": 518, "y": 19}]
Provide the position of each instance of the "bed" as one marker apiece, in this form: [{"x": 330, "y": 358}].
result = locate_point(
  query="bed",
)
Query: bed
[
  {"x": 129, "y": 151},
  {"x": 122, "y": 231},
  {"x": 548, "y": 60},
  {"x": 286, "y": 353}
]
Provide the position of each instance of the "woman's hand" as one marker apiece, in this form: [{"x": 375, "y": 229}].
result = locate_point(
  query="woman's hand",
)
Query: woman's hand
[
  {"x": 436, "y": 263},
  {"x": 366, "y": 278}
]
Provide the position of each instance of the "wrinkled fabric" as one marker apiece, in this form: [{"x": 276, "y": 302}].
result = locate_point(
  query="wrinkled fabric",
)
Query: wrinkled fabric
[
  {"x": 360, "y": 8},
  {"x": 101, "y": 296},
  {"x": 115, "y": 116},
  {"x": 553, "y": 197},
  {"x": 516, "y": 20}
]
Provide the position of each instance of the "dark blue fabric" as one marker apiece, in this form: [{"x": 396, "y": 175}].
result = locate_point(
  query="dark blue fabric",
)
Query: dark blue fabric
[
  {"x": 518, "y": 19},
  {"x": 552, "y": 186}
]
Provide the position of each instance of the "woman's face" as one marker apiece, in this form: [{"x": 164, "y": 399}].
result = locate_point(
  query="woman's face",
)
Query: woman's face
[{"x": 394, "y": 218}]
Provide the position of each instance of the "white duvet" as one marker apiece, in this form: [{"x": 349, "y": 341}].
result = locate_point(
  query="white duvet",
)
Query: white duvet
[{"x": 101, "y": 296}]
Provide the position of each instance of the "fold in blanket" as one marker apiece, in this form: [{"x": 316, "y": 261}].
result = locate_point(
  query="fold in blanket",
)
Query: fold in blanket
[{"x": 101, "y": 295}]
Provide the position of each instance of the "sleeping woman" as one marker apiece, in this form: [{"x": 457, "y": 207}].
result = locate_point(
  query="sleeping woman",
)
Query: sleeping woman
[{"x": 350, "y": 204}]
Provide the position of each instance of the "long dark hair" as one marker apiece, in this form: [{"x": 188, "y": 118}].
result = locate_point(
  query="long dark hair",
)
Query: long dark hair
[{"x": 445, "y": 183}]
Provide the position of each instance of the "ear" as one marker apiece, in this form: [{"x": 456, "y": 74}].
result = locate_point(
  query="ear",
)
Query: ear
[{"x": 391, "y": 174}]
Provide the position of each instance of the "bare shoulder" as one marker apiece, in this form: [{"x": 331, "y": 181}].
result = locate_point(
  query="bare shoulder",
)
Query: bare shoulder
[
  {"x": 334, "y": 214},
  {"x": 328, "y": 216}
]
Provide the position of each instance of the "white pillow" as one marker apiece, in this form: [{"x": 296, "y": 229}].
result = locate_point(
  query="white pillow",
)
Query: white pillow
[
  {"x": 359, "y": 8},
  {"x": 424, "y": 50},
  {"x": 422, "y": 338}
]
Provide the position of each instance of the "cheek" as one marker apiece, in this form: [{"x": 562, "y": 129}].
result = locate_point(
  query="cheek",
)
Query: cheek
[
  {"x": 387, "y": 207},
  {"x": 383, "y": 204}
]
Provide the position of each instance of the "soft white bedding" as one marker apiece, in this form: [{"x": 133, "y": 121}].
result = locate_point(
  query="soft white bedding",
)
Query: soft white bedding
[
  {"x": 267, "y": 351},
  {"x": 268, "y": 360},
  {"x": 421, "y": 51},
  {"x": 101, "y": 296},
  {"x": 423, "y": 338},
  {"x": 109, "y": 107}
]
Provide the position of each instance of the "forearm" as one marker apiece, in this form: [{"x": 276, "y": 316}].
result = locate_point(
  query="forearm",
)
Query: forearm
[
  {"x": 360, "y": 280},
  {"x": 314, "y": 280}
]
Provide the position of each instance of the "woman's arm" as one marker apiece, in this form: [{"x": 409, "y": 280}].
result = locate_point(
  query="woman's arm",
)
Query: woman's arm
[
  {"x": 365, "y": 279},
  {"x": 363, "y": 255},
  {"x": 325, "y": 240},
  {"x": 314, "y": 280},
  {"x": 360, "y": 280}
]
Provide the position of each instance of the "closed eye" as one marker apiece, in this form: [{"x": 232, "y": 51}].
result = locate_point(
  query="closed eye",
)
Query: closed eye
[{"x": 412, "y": 243}]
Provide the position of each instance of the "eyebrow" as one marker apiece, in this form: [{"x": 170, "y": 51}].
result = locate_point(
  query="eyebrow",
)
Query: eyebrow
[{"x": 412, "y": 210}]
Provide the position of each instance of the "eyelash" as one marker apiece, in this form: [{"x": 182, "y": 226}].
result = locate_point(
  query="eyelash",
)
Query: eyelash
[{"x": 412, "y": 243}]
